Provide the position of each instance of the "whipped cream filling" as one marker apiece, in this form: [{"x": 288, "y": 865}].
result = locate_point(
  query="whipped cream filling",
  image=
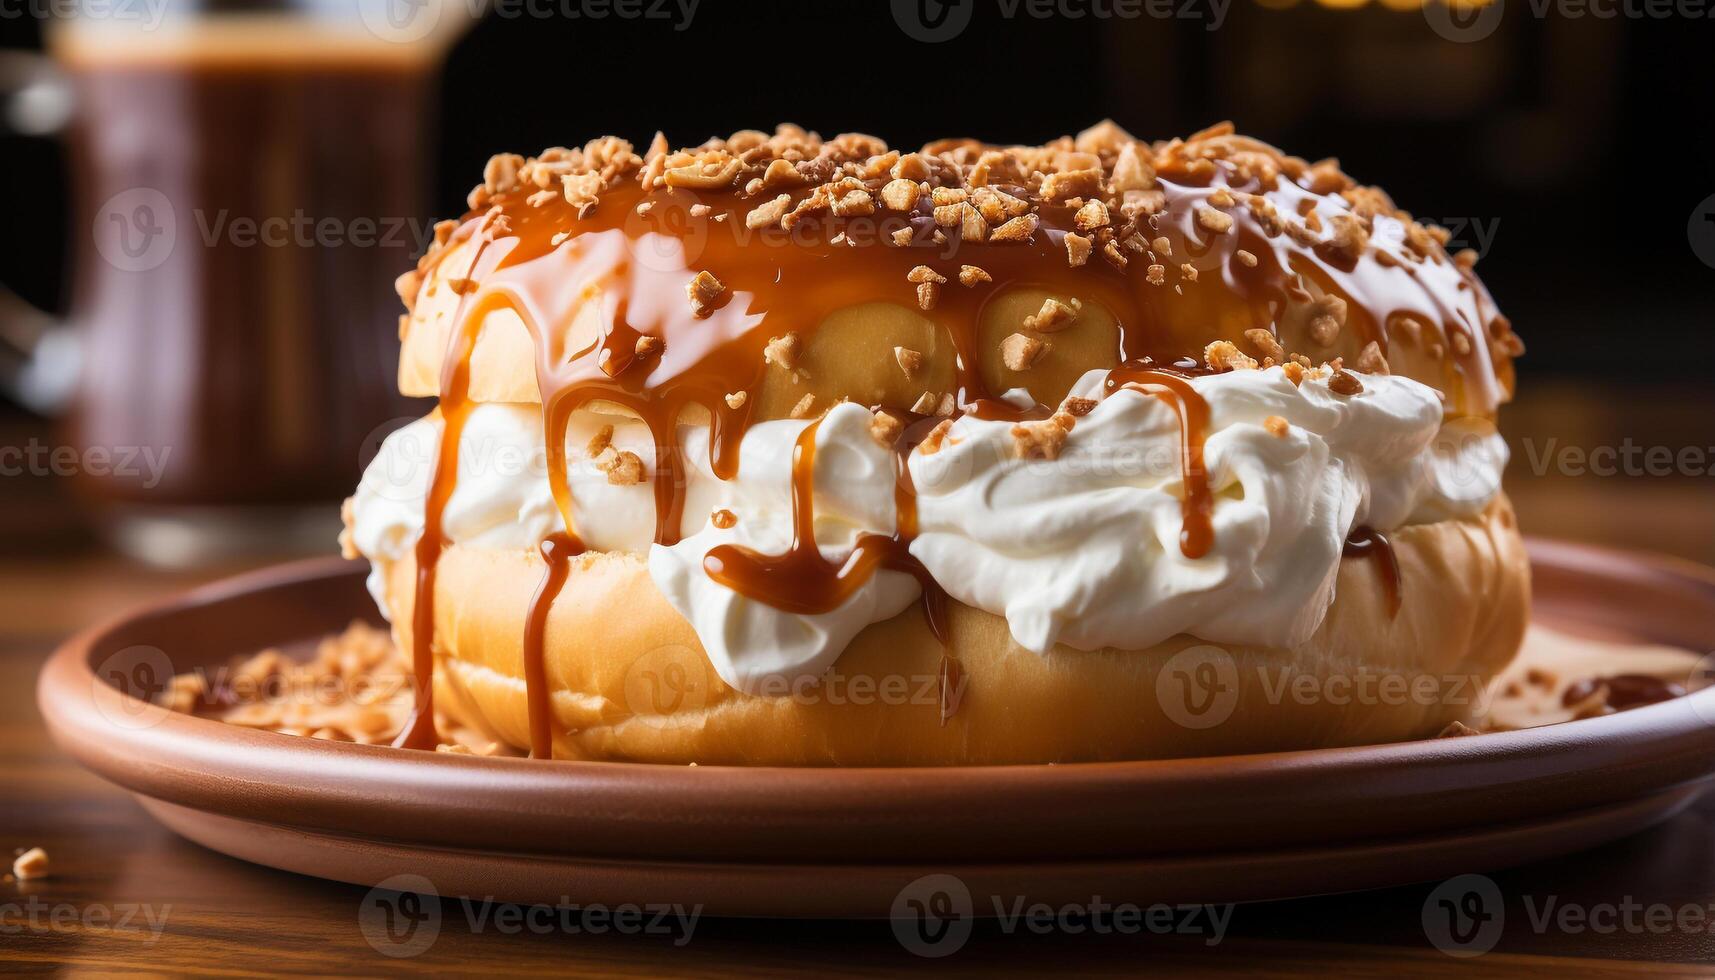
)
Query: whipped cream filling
[
  {"x": 502, "y": 500},
  {"x": 1082, "y": 549}
]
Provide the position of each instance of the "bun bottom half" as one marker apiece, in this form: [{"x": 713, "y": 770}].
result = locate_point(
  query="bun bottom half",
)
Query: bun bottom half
[{"x": 630, "y": 682}]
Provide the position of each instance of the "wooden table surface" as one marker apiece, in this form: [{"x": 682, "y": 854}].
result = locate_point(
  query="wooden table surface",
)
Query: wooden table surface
[{"x": 126, "y": 895}]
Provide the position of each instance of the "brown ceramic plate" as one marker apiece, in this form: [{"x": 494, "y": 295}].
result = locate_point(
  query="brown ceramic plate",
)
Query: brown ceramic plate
[{"x": 843, "y": 842}]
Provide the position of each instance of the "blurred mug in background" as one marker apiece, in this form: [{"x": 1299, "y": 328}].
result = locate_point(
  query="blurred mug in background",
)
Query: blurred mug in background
[{"x": 248, "y": 178}]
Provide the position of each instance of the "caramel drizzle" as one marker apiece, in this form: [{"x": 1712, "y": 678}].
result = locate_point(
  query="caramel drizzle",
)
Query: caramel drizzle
[
  {"x": 1367, "y": 542},
  {"x": 419, "y": 730},
  {"x": 1197, "y": 503},
  {"x": 706, "y": 358},
  {"x": 557, "y": 551}
]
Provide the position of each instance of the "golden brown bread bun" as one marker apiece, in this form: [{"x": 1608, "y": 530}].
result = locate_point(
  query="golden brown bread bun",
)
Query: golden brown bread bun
[
  {"x": 630, "y": 682},
  {"x": 1216, "y": 238}
]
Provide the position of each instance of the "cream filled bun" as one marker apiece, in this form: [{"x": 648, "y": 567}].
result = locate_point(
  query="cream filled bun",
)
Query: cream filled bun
[{"x": 783, "y": 451}]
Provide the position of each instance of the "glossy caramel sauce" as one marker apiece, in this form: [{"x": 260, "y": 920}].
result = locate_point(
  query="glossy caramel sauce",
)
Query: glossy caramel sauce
[
  {"x": 1197, "y": 504},
  {"x": 591, "y": 286}
]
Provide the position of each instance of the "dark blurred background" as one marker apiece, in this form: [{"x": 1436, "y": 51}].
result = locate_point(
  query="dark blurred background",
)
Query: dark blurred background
[{"x": 1569, "y": 142}]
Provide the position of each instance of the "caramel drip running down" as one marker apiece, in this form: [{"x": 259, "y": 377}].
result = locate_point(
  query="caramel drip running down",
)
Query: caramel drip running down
[
  {"x": 419, "y": 730},
  {"x": 800, "y": 580},
  {"x": 1197, "y": 504},
  {"x": 557, "y": 551},
  {"x": 1367, "y": 542}
]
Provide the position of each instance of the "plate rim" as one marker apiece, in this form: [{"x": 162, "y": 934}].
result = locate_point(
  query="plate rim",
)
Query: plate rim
[{"x": 641, "y": 808}]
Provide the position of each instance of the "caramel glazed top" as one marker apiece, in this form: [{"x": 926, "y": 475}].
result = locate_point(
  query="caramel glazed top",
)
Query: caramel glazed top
[{"x": 762, "y": 277}]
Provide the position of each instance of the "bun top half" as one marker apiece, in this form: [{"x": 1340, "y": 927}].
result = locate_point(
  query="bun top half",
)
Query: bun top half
[{"x": 767, "y": 276}]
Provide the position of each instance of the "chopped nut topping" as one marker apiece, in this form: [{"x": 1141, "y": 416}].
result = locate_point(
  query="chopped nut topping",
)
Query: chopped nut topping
[
  {"x": 1017, "y": 229},
  {"x": 1078, "y": 407},
  {"x": 1223, "y": 355},
  {"x": 1343, "y": 383},
  {"x": 1077, "y": 249},
  {"x": 33, "y": 863},
  {"x": 500, "y": 174},
  {"x": 1327, "y": 317},
  {"x": 647, "y": 345},
  {"x": 600, "y": 441},
  {"x": 970, "y": 275},
  {"x": 973, "y": 227},
  {"x": 1370, "y": 359},
  {"x": 925, "y": 404},
  {"x": 937, "y": 437},
  {"x": 1264, "y": 342},
  {"x": 623, "y": 468},
  {"x": 946, "y": 406},
  {"x": 1130, "y": 172},
  {"x": 886, "y": 428},
  {"x": 783, "y": 351},
  {"x": 1091, "y": 216},
  {"x": 911, "y": 166},
  {"x": 1019, "y": 352},
  {"x": 1410, "y": 330},
  {"x": 705, "y": 291},
  {"x": 1213, "y": 220},
  {"x": 1276, "y": 426},
  {"x": 723, "y": 518},
  {"x": 1044, "y": 439},
  {"x": 1054, "y": 316},
  {"x": 927, "y": 294},
  {"x": 765, "y": 215},
  {"x": 900, "y": 195},
  {"x": 1461, "y": 343},
  {"x": 736, "y": 400},
  {"x": 1105, "y": 179},
  {"x": 922, "y": 273},
  {"x": 855, "y": 202},
  {"x": 1294, "y": 372},
  {"x": 910, "y": 361},
  {"x": 804, "y": 408}
]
